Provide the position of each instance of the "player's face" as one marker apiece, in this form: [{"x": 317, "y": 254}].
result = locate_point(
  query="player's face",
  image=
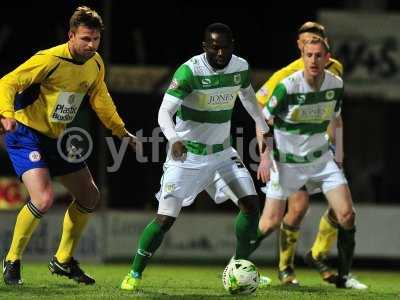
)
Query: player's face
[
  {"x": 219, "y": 49},
  {"x": 84, "y": 42},
  {"x": 315, "y": 58}
]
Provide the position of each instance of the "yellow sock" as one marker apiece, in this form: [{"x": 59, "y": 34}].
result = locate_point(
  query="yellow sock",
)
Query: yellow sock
[
  {"x": 75, "y": 221},
  {"x": 288, "y": 236},
  {"x": 27, "y": 221},
  {"x": 326, "y": 237}
]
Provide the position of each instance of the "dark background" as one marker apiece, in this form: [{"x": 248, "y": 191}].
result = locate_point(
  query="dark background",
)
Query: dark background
[{"x": 170, "y": 32}]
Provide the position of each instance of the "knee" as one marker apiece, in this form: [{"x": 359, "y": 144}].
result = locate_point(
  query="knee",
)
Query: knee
[
  {"x": 166, "y": 222},
  {"x": 347, "y": 219},
  {"x": 295, "y": 214},
  {"x": 270, "y": 223},
  {"x": 250, "y": 205},
  {"x": 45, "y": 200}
]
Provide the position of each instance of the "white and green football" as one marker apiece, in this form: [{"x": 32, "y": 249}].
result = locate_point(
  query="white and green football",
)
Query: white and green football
[{"x": 240, "y": 277}]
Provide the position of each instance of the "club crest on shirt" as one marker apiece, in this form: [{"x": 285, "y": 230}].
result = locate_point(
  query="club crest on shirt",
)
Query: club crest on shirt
[
  {"x": 330, "y": 95},
  {"x": 84, "y": 86},
  {"x": 237, "y": 78},
  {"x": 34, "y": 156}
]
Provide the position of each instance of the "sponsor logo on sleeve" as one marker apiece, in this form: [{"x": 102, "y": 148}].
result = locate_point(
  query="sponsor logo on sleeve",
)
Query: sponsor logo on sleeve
[
  {"x": 273, "y": 102},
  {"x": 173, "y": 85}
]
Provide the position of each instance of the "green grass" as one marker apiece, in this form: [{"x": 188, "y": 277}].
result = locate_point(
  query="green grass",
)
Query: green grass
[{"x": 188, "y": 282}]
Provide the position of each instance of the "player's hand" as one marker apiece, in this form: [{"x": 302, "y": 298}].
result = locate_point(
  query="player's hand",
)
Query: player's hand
[
  {"x": 134, "y": 143},
  {"x": 264, "y": 169},
  {"x": 178, "y": 151},
  {"x": 7, "y": 125}
]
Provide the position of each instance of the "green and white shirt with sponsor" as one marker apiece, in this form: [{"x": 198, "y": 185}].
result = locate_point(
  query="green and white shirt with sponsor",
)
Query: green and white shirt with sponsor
[
  {"x": 301, "y": 117},
  {"x": 207, "y": 97}
]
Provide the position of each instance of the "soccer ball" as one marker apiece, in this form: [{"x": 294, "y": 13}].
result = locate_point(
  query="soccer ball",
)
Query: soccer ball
[{"x": 240, "y": 277}]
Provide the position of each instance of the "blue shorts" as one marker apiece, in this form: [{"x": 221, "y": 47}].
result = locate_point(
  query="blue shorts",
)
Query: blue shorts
[{"x": 29, "y": 149}]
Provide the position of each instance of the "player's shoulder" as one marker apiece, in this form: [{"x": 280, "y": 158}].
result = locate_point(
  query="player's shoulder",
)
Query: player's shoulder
[
  {"x": 194, "y": 65},
  {"x": 239, "y": 62},
  {"x": 335, "y": 66},
  {"x": 333, "y": 80},
  {"x": 293, "y": 81},
  {"x": 98, "y": 60},
  {"x": 51, "y": 54}
]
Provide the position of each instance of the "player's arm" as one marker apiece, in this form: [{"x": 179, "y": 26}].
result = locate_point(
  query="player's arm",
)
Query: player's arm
[
  {"x": 102, "y": 103},
  {"x": 181, "y": 86},
  {"x": 336, "y": 128},
  {"x": 34, "y": 70},
  {"x": 273, "y": 107}
]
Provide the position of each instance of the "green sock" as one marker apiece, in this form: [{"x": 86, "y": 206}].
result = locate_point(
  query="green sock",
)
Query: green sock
[
  {"x": 259, "y": 238},
  {"x": 246, "y": 234},
  {"x": 345, "y": 244},
  {"x": 149, "y": 241}
]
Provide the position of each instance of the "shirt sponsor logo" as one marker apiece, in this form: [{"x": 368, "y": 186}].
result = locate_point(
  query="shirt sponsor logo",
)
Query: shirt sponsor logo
[
  {"x": 34, "y": 156},
  {"x": 313, "y": 113},
  {"x": 221, "y": 99},
  {"x": 66, "y": 107}
]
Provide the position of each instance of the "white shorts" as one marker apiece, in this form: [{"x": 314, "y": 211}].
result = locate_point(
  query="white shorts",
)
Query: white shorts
[
  {"x": 222, "y": 174},
  {"x": 289, "y": 178}
]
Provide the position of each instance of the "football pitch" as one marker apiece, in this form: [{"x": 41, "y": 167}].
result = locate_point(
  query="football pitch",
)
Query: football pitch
[{"x": 189, "y": 282}]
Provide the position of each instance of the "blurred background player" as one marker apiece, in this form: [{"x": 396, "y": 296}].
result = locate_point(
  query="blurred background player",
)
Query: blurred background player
[
  {"x": 302, "y": 106},
  {"x": 38, "y": 100},
  {"x": 202, "y": 94},
  {"x": 298, "y": 202}
]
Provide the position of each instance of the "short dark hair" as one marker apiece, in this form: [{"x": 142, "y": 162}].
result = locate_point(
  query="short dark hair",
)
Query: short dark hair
[
  {"x": 312, "y": 27},
  {"x": 86, "y": 16},
  {"x": 218, "y": 28}
]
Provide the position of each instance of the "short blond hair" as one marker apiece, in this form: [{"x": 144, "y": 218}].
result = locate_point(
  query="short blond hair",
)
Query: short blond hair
[{"x": 317, "y": 40}]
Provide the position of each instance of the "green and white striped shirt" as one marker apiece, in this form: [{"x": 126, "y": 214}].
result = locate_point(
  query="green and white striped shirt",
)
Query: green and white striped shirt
[
  {"x": 301, "y": 117},
  {"x": 207, "y": 98}
]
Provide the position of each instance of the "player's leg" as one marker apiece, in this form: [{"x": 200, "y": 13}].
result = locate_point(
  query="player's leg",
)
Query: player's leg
[
  {"x": 288, "y": 235},
  {"x": 177, "y": 184},
  {"x": 38, "y": 184},
  {"x": 326, "y": 237},
  {"x": 341, "y": 202},
  {"x": 86, "y": 196},
  {"x": 29, "y": 164}
]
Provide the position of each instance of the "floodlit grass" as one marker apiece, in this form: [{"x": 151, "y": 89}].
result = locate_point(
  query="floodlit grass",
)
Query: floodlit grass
[{"x": 189, "y": 282}]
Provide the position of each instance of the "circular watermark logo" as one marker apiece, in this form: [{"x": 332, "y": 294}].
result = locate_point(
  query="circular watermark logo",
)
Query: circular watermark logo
[{"x": 75, "y": 145}]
